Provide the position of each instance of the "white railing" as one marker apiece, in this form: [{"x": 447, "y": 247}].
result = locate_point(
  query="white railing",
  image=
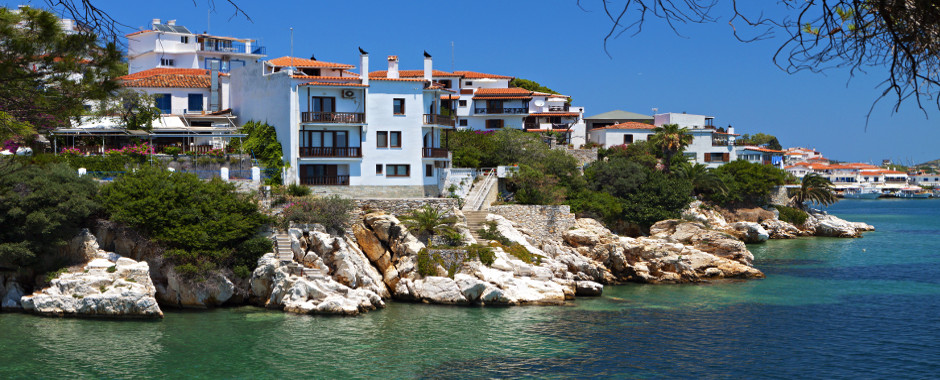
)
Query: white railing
[{"x": 478, "y": 194}]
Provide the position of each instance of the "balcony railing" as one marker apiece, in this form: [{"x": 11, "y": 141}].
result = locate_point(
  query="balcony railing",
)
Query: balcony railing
[
  {"x": 500, "y": 110},
  {"x": 339, "y": 180},
  {"x": 330, "y": 151},
  {"x": 333, "y": 117},
  {"x": 433, "y": 152},
  {"x": 557, "y": 108},
  {"x": 725, "y": 143},
  {"x": 439, "y": 120}
]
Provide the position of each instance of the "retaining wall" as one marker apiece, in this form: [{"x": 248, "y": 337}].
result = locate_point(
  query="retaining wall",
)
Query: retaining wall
[{"x": 544, "y": 221}]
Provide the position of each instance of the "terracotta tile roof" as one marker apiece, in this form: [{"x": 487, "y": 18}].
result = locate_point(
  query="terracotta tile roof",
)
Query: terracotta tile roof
[
  {"x": 503, "y": 91},
  {"x": 476, "y": 75},
  {"x": 500, "y": 97},
  {"x": 562, "y": 114},
  {"x": 730, "y": 134},
  {"x": 450, "y": 97},
  {"x": 627, "y": 125},
  {"x": 412, "y": 74},
  {"x": 167, "y": 77},
  {"x": 307, "y": 63},
  {"x": 393, "y": 58},
  {"x": 138, "y": 32},
  {"x": 350, "y": 73},
  {"x": 334, "y": 84},
  {"x": 346, "y": 79},
  {"x": 548, "y": 130}
]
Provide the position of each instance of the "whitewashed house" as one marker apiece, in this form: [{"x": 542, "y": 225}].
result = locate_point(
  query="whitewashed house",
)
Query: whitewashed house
[
  {"x": 620, "y": 134},
  {"x": 923, "y": 179},
  {"x": 348, "y": 133}
]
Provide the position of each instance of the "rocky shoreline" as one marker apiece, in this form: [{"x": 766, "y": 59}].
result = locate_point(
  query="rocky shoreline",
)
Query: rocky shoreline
[{"x": 379, "y": 259}]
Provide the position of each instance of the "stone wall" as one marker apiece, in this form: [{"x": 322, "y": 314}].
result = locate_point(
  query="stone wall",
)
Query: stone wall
[
  {"x": 404, "y": 206},
  {"x": 548, "y": 222},
  {"x": 779, "y": 196},
  {"x": 584, "y": 156}
]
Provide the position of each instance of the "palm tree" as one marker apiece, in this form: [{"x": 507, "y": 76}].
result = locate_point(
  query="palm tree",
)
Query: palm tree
[
  {"x": 671, "y": 139},
  {"x": 428, "y": 221},
  {"x": 814, "y": 189},
  {"x": 702, "y": 178}
]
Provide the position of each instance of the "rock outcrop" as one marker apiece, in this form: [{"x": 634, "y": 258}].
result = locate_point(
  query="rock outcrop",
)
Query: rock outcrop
[
  {"x": 281, "y": 284},
  {"x": 758, "y": 225},
  {"x": 676, "y": 253},
  {"x": 823, "y": 224},
  {"x": 10, "y": 294},
  {"x": 108, "y": 286}
]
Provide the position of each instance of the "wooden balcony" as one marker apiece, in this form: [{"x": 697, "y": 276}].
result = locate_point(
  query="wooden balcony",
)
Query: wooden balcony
[
  {"x": 497, "y": 111},
  {"x": 328, "y": 151},
  {"x": 339, "y": 180},
  {"x": 433, "y": 152},
  {"x": 439, "y": 120},
  {"x": 333, "y": 117}
]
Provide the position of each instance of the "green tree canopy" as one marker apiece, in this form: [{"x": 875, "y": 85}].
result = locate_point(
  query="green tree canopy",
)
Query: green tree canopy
[
  {"x": 749, "y": 184},
  {"x": 48, "y": 75},
  {"x": 762, "y": 139},
  {"x": 671, "y": 140},
  {"x": 263, "y": 145}
]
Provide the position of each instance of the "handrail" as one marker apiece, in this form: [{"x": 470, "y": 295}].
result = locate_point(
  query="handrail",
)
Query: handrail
[{"x": 475, "y": 201}]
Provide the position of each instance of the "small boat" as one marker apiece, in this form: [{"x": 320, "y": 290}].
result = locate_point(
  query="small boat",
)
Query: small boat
[
  {"x": 861, "y": 193},
  {"x": 913, "y": 193}
]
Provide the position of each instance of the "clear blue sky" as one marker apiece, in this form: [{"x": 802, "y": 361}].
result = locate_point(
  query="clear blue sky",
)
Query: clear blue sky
[{"x": 557, "y": 44}]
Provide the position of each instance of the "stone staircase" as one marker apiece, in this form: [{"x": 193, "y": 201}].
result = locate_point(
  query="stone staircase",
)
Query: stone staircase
[
  {"x": 475, "y": 222},
  {"x": 284, "y": 254}
]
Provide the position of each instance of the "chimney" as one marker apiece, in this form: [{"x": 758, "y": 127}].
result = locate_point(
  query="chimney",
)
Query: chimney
[
  {"x": 171, "y": 22},
  {"x": 393, "y": 67},
  {"x": 428, "y": 73},
  {"x": 364, "y": 67},
  {"x": 155, "y": 21},
  {"x": 730, "y": 135}
]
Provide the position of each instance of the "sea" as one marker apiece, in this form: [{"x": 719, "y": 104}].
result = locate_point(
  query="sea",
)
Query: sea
[{"x": 829, "y": 308}]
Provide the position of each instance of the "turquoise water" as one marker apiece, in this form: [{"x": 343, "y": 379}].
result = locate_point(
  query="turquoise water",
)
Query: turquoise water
[{"x": 832, "y": 308}]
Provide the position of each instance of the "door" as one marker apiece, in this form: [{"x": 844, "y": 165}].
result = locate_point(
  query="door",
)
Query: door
[{"x": 494, "y": 106}]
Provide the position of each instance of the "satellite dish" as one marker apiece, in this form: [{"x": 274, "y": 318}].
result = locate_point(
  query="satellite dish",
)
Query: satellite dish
[{"x": 539, "y": 103}]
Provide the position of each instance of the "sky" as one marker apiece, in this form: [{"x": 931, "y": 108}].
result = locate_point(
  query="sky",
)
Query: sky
[{"x": 705, "y": 70}]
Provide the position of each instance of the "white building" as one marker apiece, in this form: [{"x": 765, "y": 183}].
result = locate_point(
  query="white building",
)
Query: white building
[
  {"x": 620, "y": 134},
  {"x": 350, "y": 133},
  {"x": 174, "y": 46},
  {"x": 922, "y": 179}
]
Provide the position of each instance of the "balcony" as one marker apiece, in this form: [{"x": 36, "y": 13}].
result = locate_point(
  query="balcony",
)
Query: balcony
[
  {"x": 226, "y": 46},
  {"x": 496, "y": 111},
  {"x": 433, "y": 152},
  {"x": 329, "y": 151},
  {"x": 439, "y": 120},
  {"x": 725, "y": 143},
  {"x": 339, "y": 180},
  {"x": 558, "y": 108},
  {"x": 333, "y": 117}
]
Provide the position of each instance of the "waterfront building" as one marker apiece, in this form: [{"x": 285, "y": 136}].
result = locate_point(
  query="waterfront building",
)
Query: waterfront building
[
  {"x": 924, "y": 179},
  {"x": 348, "y": 133}
]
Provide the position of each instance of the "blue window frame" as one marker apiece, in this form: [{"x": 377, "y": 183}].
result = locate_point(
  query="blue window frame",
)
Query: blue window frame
[
  {"x": 163, "y": 102},
  {"x": 195, "y": 103}
]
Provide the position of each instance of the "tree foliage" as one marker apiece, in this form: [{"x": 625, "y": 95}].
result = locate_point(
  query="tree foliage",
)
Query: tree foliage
[
  {"x": 671, "y": 140},
  {"x": 532, "y": 85},
  {"x": 761, "y": 139},
  {"x": 134, "y": 109},
  {"x": 749, "y": 184},
  {"x": 202, "y": 222},
  {"x": 703, "y": 179},
  {"x": 814, "y": 188},
  {"x": 48, "y": 75},
  {"x": 41, "y": 208},
  {"x": 428, "y": 221},
  {"x": 263, "y": 145}
]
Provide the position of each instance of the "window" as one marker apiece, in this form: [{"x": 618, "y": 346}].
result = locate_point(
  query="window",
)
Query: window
[
  {"x": 324, "y": 139},
  {"x": 166, "y": 62},
  {"x": 494, "y": 123},
  {"x": 378, "y": 168},
  {"x": 446, "y": 82},
  {"x": 462, "y": 103},
  {"x": 627, "y": 139},
  {"x": 322, "y": 104},
  {"x": 195, "y": 103},
  {"x": 184, "y": 39},
  {"x": 463, "y": 122},
  {"x": 381, "y": 139},
  {"x": 398, "y": 170},
  {"x": 428, "y": 170},
  {"x": 398, "y": 106},
  {"x": 394, "y": 139},
  {"x": 468, "y": 83},
  {"x": 163, "y": 102}
]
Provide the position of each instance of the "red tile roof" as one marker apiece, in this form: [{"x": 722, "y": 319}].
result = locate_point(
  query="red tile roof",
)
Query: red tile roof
[
  {"x": 138, "y": 32},
  {"x": 167, "y": 77},
  {"x": 307, "y": 63},
  {"x": 412, "y": 74},
  {"x": 476, "y": 75},
  {"x": 347, "y": 79},
  {"x": 627, "y": 125},
  {"x": 503, "y": 91},
  {"x": 400, "y": 79},
  {"x": 450, "y": 97},
  {"x": 500, "y": 97},
  {"x": 759, "y": 149}
]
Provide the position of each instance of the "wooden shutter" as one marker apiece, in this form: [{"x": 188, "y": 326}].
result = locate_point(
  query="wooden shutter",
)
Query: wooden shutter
[{"x": 726, "y": 157}]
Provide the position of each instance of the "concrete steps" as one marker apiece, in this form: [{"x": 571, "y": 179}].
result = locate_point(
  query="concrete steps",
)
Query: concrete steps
[
  {"x": 476, "y": 220},
  {"x": 282, "y": 247}
]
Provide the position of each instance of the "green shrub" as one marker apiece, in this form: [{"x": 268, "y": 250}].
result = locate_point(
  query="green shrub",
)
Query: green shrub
[
  {"x": 489, "y": 232},
  {"x": 520, "y": 252},
  {"x": 249, "y": 251},
  {"x": 296, "y": 190},
  {"x": 333, "y": 212},
  {"x": 53, "y": 275},
  {"x": 241, "y": 271},
  {"x": 792, "y": 215},
  {"x": 201, "y": 223},
  {"x": 112, "y": 269},
  {"x": 749, "y": 184},
  {"x": 426, "y": 264},
  {"x": 172, "y": 150},
  {"x": 481, "y": 252}
]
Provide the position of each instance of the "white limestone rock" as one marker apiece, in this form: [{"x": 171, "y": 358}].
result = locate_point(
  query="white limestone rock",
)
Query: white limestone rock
[
  {"x": 750, "y": 232},
  {"x": 122, "y": 289}
]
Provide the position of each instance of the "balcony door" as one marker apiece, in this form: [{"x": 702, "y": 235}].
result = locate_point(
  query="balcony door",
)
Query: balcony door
[
  {"x": 494, "y": 106},
  {"x": 322, "y": 104},
  {"x": 322, "y": 175}
]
